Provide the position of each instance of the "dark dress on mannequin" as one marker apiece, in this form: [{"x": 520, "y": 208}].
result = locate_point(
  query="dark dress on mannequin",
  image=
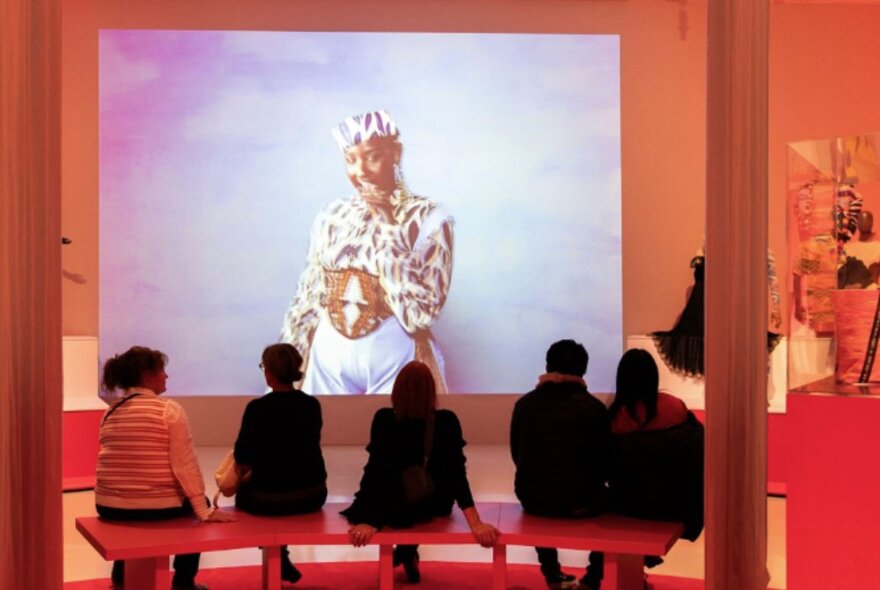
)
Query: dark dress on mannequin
[{"x": 682, "y": 346}]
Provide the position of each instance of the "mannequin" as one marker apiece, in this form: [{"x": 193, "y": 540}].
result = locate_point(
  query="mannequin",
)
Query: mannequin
[{"x": 682, "y": 347}]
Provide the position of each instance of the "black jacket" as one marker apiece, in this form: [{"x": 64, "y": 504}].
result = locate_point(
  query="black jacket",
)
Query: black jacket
[
  {"x": 396, "y": 444},
  {"x": 658, "y": 475},
  {"x": 559, "y": 440},
  {"x": 280, "y": 439}
]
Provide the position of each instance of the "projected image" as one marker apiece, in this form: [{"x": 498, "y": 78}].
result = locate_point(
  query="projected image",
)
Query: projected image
[
  {"x": 370, "y": 198},
  {"x": 377, "y": 272}
]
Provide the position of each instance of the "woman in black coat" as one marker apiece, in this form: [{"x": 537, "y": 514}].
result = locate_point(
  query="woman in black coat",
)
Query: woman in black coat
[
  {"x": 657, "y": 449},
  {"x": 280, "y": 443},
  {"x": 398, "y": 439}
]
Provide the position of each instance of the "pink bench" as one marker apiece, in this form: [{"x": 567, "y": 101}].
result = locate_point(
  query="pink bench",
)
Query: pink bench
[
  {"x": 625, "y": 541},
  {"x": 146, "y": 545}
]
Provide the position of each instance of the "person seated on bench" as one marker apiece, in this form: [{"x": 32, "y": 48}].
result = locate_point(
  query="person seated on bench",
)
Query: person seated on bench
[
  {"x": 559, "y": 442},
  {"x": 147, "y": 466},
  {"x": 657, "y": 450},
  {"x": 413, "y": 432},
  {"x": 280, "y": 444}
]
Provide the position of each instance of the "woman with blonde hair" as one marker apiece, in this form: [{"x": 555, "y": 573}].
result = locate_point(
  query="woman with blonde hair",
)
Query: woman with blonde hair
[{"x": 413, "y": 433}]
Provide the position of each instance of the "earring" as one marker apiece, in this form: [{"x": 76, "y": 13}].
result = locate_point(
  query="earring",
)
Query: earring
[{"x": 400, "y": 184}]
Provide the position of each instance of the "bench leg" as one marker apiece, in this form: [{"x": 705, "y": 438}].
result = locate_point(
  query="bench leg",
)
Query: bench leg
[
  {"x": 149, "y": 573},
  {"x": 623, "y": 572},
  {"x": 499, "y": 567},
  {"x": 386, "y": 567},
  {"x": 272, "y": 568}
]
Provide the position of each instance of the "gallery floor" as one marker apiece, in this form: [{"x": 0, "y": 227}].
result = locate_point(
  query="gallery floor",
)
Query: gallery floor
[{"x": 491, "y": 477}]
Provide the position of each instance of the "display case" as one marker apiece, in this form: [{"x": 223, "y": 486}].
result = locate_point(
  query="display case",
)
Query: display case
[{"x": 834, "y": 262}]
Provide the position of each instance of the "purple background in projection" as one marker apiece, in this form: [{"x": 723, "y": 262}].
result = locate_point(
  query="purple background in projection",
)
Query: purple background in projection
[{"x": 216, "y": 155}]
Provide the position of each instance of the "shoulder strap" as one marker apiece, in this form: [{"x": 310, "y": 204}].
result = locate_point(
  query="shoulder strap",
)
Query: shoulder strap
[{"x": 116, "y": 407}]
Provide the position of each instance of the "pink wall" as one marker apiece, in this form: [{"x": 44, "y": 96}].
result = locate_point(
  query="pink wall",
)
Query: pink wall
[
  {"x": 823, "y": 83},
  {"x": 79, "y": 448}
]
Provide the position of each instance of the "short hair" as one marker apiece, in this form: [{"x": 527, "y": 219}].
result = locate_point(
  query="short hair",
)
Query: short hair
[
  {"x": 284, "y": 362},
  {"x": 567, "y": 357},
  {"x": 414, "y": 394},
  {"x": 127, "y": 369}
]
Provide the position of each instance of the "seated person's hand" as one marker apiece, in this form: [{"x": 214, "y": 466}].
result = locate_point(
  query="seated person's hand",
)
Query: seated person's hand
[
  {"x": 220, "y": 516},
  {"x": 360, "y": 534},
  {"x": 485, "y": 534}
]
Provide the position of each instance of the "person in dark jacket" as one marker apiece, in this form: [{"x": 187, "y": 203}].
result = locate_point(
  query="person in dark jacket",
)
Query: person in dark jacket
[
  {"x": 657, "y": 450},
  {"x": 280, "y": 443},
  {"x": 397, "y": 442},
  {"x": 559, "y": 442}
]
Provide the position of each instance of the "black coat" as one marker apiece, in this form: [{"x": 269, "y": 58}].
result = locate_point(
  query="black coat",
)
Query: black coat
[
  {"x": 560, "y": 439},
  {"x": 280, "y": 439},
  {"x": 658, "y": 475},
  {"x": 396, "y": 444}
]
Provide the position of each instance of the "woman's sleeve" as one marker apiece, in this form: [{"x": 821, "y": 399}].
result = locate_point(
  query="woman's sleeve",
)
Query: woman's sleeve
[
  {"x": 301, "y": 318},
  {"x": 184, "y": 462},
  {"x": 374, "y": 496},
  {"x": 460, "y": 487},
  {"x": 415, "y": 269}
]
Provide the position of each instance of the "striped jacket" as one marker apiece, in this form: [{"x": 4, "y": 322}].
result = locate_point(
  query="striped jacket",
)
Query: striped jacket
[{"x": 146, "y": 457}]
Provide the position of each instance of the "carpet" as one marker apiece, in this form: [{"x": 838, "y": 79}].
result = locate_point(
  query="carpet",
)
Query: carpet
[{"x": 364, "y": 575}]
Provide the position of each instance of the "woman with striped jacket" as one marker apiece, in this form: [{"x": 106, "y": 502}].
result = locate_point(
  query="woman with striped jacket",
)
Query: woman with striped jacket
[{"x": 147, "y": 466}]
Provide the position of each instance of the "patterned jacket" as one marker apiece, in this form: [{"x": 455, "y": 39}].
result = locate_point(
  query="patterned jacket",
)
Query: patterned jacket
[{"x": 411, "y": 258}]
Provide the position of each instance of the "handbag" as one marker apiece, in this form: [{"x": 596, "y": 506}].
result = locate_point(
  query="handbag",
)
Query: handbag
[
  {"x": 229, "y": 476},
  {"x": 415, "y": 479}
]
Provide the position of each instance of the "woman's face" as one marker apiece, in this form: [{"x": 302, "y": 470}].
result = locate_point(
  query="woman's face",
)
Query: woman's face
[
  {"x": 370, "y": 166},
  {"x": 155, "y": 381}
]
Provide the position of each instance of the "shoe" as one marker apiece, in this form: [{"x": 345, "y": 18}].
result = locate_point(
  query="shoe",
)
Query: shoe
[
  {"x": 289, "y": 573},
  {"x": 561, "y": 581},
  {"x": 398, "y": 556},
  {"x": 652, "y": 561},
  {"x": 586, "y": 583},
  {"x": 189, "y": 586},
  {"x": 411, "y": 569}
]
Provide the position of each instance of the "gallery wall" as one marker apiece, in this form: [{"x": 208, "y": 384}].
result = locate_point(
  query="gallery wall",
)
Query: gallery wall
[
  {"x": 663, "y": 112},
  {"x": 823, "y": 83}
]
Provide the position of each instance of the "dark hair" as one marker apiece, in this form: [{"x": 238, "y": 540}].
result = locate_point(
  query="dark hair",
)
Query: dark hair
[
  {"x": 127, "y": 369},
  {"x": 567, "y": 357},
  {"x": 414, "y": 394},
  {"x": 638, "y": 381},
  {"x": 284, "y": 362}
]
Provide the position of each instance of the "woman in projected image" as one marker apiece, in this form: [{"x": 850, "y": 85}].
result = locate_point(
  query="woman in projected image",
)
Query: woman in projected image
[{"x": 377, "y": 273}]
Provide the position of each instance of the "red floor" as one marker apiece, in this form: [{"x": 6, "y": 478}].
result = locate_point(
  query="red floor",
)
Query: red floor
[{"x": 364, "y": 576}]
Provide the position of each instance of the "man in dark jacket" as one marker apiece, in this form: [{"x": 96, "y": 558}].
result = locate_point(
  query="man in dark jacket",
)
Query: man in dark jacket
[{"x": 560, "y": 442}]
